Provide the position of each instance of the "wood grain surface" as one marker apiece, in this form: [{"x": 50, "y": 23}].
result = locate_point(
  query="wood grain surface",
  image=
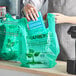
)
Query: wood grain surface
[{"x": 58, "y": 70}]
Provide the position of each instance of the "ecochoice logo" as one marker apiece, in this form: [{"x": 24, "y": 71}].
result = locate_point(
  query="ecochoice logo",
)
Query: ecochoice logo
[{"x": 37, "y": 36}]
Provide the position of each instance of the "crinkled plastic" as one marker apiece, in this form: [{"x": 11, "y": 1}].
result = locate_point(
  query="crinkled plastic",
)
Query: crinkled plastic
[
  {"x": 10, "y": 37},
  {"x": 34, "y": 45},
  {"x": 40, "y": 44}
]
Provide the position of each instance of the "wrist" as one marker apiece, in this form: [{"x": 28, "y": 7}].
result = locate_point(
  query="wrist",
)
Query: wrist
[{"x": 68, "y": 19}]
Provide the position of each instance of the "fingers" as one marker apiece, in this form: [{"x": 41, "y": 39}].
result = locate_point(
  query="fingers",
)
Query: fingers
[
  {"x": 31, "y": 12},
  {"x": 35, "y": 11},
  {"x": 58, "y": 19},
  {"x": 31, "y": 15},
  {"x": 55, "y": 20},
  {"x": 27, "y": 16},
  {"x": 34, "y": 14}
]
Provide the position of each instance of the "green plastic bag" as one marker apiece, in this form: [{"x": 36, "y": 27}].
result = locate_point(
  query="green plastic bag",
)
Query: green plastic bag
[
  {"x": 40, "y": 44},
  {"x": 11, "y": 37},
  {"x": 34, "y": 45}
]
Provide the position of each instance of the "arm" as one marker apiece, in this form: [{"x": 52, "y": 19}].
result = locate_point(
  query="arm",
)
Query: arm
[
  {"x": 71, "y": 19},
  {"x": 31, "y": 8},
  {"x": 60, "y": 18}
]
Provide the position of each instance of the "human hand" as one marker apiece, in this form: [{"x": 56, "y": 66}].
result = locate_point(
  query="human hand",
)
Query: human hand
[
  {"x": 30, "y": 12},
  {"x": 60, "y": 18}
]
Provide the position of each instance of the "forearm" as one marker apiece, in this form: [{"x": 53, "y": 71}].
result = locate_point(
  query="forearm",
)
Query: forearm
[{"x": 70, "y": 19}]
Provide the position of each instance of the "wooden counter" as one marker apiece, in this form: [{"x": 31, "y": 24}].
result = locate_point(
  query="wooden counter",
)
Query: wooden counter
[{"x": 58, "y": 70}]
